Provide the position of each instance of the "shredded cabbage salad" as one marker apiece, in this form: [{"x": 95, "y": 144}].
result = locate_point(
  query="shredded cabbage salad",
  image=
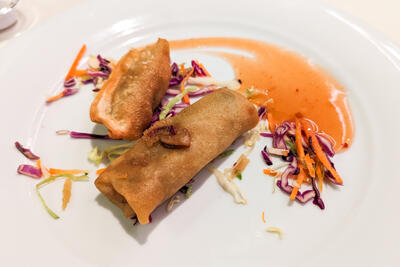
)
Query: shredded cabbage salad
[{"x": 307, "y": 154}]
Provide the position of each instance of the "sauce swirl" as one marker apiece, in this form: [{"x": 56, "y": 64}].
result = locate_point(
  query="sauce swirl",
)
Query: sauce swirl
[{"x": 295, "y": 85}]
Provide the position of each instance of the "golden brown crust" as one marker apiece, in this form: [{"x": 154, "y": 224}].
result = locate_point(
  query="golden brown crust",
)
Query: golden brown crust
[
  {"x": 146, "y": 176},
  {"x": 134, "y": 89}
]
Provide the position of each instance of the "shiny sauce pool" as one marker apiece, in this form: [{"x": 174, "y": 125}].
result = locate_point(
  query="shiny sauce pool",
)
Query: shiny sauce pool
[{"x": 296, "y": 86}]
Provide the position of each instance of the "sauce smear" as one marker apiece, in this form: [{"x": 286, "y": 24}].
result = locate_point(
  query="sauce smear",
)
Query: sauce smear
[{"x": 295, "y": 85}]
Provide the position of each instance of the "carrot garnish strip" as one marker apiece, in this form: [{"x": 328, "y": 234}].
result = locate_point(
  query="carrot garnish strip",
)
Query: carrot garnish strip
[
  {"x": 300, "y": 178},
  {"x": 65, "y": 92},
  {"x": 294, "y": 192},
  {"x": 263, "y": 218},
  {"x": 45, "y": 171},
  {"x": 270, "y": 172},
  {"x": 39, "y": 163},
  {"x": 80, "y": 73},
  {"x": 72, "y": 70},
  {"x": 100, "y": 171},
  {"x": 322, "y": 157},
  {"x": 186, "y": 96},
  {"x": 182, "y": 67},
  {"x": 309, "y": 165},
  {"x": 60, "y": 171},
  {"x": 307, "y": 127},
  {"x": 56, "y": 97},
  {"x": 271, "y": 123},
  {"x": 66, "y": 192},
  {"x": 319, "y": 175},
  {"x": 299, "y": 145}
]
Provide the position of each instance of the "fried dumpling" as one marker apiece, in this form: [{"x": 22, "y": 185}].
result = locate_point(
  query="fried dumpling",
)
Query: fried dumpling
[{"x": 134, "y": 89}]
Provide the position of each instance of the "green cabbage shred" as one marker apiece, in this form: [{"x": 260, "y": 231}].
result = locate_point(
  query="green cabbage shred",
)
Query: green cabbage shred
[
  {"x": 174, "y": 101},
  {"x": 292, "y": 146},
  {"x": 94, "y": 156},
  {"x": 111, "y": 152}
]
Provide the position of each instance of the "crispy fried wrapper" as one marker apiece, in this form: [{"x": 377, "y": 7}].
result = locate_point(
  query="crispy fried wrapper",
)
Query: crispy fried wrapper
[
  {"x": 174, "y": 150},
  {"x": 134, "y": 89}
]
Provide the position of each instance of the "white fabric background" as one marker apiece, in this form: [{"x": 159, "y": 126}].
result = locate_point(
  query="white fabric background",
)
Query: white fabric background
[{"x": 383, "y": 15}]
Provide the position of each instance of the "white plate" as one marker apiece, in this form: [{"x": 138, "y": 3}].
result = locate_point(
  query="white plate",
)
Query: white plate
[{"x": 360, "y": 226}]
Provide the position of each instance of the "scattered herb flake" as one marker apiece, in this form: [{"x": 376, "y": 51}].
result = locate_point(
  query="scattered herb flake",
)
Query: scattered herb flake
[
  {"x": 249, "y": 91},
  {"x": 189, "y": 190},
  {"x": 226, "y": 153},
  {"x": 292, "y": 147}
]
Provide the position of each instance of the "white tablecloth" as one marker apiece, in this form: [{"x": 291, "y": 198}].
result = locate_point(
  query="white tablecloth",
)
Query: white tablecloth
[{"x": 382, "y": 15}]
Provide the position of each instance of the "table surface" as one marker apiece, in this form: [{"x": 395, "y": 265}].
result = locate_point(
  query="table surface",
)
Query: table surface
[{"x": 381, "y": 15}]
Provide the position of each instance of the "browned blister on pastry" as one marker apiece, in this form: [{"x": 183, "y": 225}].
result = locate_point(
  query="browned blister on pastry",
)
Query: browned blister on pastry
[
  {"x": 173, "y": 150},
  {"x": 134, "y": 89}
]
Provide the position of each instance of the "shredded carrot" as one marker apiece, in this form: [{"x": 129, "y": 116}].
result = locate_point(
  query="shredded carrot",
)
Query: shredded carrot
[
  {"x": 270, "y": 172},
  {"x": 59, "y": 171},
  {"x": 307, "y": 127},
  {"x": 322, "y": 157},
  {"x": 205, "y": 70},
  {"x": 182, "y": 67},
  {"x": 186, "y": 97},
  {"x": 100, "y": 171},
  {"x": 66, "y": 192},
  {"x": 319, "y": 175},
  {"x": 299, "y": 145},
  {"x": 56, "y": 97},
  {"x": 294, "y": 192},
  {"x": 39, "y": 163},
  {"x": 72, "y": 70},
  {"x": 44, "y": 170},
  {"x": 80, "y": 73},
  {"x": 300, "y": 179},
  {"x": 263, "y": 218},
  {"x": 271, "y": 123},
  {"x": 309, "y": 164}
]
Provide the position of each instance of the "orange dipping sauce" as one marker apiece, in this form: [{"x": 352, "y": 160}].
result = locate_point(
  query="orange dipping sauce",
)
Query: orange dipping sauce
[{"x": 295, "y": 85}]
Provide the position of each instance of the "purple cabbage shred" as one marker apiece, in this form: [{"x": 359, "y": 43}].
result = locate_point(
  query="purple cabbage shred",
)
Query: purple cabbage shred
[
  {"x": 266, "y": 157},
  {"x": 70, "y": 83},
  {"x": 80, "y": 135},
  {"x": 261, "y": 112},
  {"x": 26, "y": 151},
  {"x": 198, "y": 70},
  {"x": 29, "y": 170}
]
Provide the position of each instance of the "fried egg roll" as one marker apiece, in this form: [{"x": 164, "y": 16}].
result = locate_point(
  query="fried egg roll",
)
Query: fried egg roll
[
  {"x": 134, "y": 89},
  {"x": 174, "y": 150}
]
